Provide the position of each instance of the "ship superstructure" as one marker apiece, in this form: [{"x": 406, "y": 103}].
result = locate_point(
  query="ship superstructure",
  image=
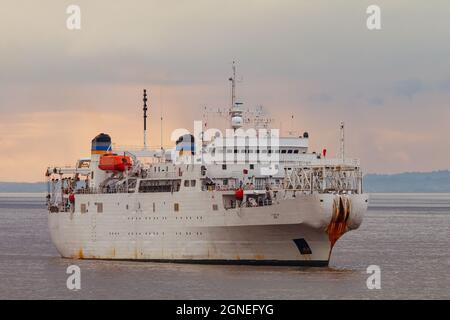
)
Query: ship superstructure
[{"x": 249, "y": 196}]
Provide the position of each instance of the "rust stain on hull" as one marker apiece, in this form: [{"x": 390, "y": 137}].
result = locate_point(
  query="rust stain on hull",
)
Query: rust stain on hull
[
  {"x": 80, "y": 254},
  {"x": 338, "y": 224}
]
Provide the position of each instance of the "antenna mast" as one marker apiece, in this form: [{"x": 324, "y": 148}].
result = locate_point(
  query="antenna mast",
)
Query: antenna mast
[
  {"x": 233, "y": 86},
  {"x": 161, "y": 114},
  {"x": 342, "y": 141},
  {"x": 292, "y": 132},
  {"x": 236, "y": 110},
  {"x": 145, "y": 119}
]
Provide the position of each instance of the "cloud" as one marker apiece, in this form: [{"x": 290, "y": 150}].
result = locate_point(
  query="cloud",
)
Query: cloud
[
  {"x": 375, "y": 101},
  {"x": 320, "y": 98},
  {"x": 409, "y": 88},
  {"x": 33, "y": 141},
  {"x": 444, "y": 85}
]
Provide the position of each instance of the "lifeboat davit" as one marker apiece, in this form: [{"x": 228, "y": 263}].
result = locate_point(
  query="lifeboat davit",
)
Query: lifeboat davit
[{"x": 114, "y": 162}]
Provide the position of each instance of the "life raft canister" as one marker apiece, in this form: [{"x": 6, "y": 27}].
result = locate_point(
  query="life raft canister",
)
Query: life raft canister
[
  {"x": 71, "y": 198},
  {"x": 239, "y": 194}
]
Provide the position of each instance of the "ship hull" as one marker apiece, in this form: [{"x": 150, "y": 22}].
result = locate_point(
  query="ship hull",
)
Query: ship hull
[{"x": 291, "y": 231}]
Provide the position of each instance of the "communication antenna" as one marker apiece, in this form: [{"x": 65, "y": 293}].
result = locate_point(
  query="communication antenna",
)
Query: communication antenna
[
  {"x": 236, "y": 107},
  {"x": 259, "y": 118},
  {"x": 292, "y": 131},
  {"x": 161, "y": 115},
  {"x": 239, "y": 115},
  {"x": 205, "y": 118},
  {"x": 145, "y": 119},
  {"x": 342, "y": 141},
  {"x": 233, "y": 85}
]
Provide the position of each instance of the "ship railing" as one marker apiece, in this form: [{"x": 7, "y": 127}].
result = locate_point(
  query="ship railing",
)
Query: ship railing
[
  {"x": 66, "y": 170},
  {"x": 118, "y": 147},
  {"x": 155, "y": 175},
  {"x": 255, "y": 188},
  {"x": 104, "y": 190},
  {"x": 141, "y": 151},
  {"x": 257, "y": 203},
  {"x": 330, "y": 162},
  {"x": 323, "y": 191},
  {"x": 260, "y": 199},
  {"x": 324, "y": 179}
]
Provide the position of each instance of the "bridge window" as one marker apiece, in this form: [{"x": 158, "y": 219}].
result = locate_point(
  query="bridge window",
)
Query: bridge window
[
  {"x": 159, "y": 185},
  {"x": 193, "y": 183}
]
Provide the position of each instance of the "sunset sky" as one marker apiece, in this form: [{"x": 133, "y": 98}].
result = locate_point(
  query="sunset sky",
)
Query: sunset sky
[{"x": 315, "y": 60}]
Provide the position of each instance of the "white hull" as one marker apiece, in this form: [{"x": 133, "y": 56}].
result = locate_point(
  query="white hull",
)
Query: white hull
[{"x": 138, "y": 226}]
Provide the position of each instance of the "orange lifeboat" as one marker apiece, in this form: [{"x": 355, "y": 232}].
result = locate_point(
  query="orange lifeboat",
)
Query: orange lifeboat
[{"x": 114, "y": 162}]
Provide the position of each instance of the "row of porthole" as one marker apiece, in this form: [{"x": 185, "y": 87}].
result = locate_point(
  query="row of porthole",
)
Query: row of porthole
[
  {"x": 162, "y": 218},
  {"x": 127, "y": 206},
  {"x": 189, "y": 233},
  {"x": 146, "y": 218},
  {"x": 155, "y": 233},
  {"x": 144, "y": 233}
]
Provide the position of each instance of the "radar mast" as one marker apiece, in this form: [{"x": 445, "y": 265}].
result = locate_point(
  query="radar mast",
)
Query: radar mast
[{"x": 236, "y": 107}]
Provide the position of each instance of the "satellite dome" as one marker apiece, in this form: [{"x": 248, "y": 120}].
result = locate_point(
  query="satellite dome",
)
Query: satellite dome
[{"x": 237, "y": 122}]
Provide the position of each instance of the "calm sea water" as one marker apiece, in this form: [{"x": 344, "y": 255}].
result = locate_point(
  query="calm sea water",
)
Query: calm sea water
[{"x": 407, "y": 235}]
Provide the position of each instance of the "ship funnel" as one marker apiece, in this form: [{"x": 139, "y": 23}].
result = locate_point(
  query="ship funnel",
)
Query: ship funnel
[
  {"x": 101, "y": 144},
  {"x": 185, "y": 144}
]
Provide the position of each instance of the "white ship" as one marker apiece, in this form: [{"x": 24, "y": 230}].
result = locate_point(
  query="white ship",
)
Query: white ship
[{"x": 233, "y": 198}]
